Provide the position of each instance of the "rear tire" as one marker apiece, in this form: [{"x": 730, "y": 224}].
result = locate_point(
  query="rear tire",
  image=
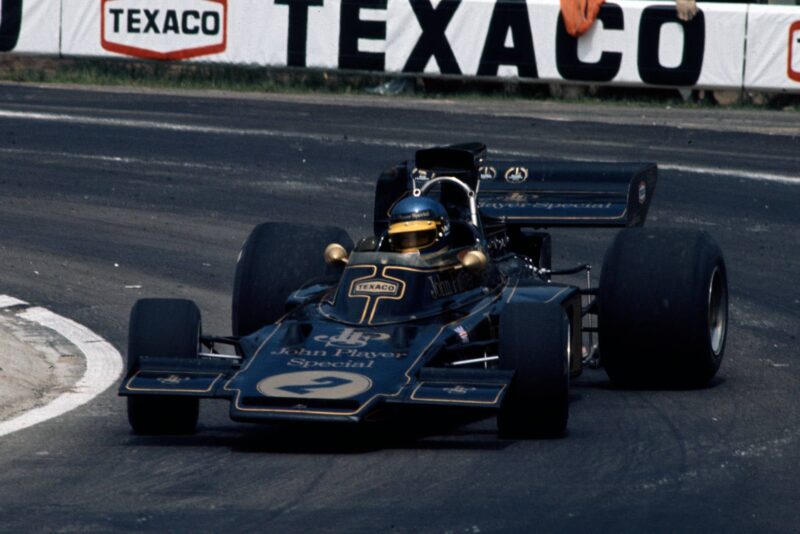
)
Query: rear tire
[
  {"x": 535, "y": 342},
  {"x": 391, "y": 186},
  {"x": 663, "y": 308},
  {"x": 276, "y": 260},
  {"x": 170, "y": 328}
]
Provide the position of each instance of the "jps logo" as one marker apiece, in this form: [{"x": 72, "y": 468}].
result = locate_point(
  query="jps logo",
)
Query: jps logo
[
  {"x": 164, "y": 29},
  {"x": 487, "y": 173},
  {"x": 516, "y": 175},
  {"x": 458, "y": 390},
  {"x": 172, "y": 380},
  {"x": 375, "y": 286},
  {"x": 350, "y": 338}
]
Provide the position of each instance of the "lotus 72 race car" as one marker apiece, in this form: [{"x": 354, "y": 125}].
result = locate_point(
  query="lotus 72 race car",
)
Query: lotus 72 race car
[{"x": 325, "y": 330}]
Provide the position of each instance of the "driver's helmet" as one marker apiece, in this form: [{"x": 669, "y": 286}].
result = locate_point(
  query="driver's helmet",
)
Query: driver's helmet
[{"x": 418, "y": 224}]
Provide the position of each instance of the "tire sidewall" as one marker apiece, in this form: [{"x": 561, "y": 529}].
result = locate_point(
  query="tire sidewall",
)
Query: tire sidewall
[
  {"x": 275, "y": 260},
  {"x": 533, "y": 343},
  {"x": 653, "y": 308},
  {"x": 163, "y": 327}
]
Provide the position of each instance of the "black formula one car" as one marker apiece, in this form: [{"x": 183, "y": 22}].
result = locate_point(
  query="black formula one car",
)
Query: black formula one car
[{"x": 478, "y": 323}]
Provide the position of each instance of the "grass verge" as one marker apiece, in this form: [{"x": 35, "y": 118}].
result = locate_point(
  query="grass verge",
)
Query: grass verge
[{"x": 276, "y": 80}]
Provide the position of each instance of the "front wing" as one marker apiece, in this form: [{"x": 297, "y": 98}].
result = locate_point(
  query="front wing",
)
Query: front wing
[{"x": 206, "y": 378}]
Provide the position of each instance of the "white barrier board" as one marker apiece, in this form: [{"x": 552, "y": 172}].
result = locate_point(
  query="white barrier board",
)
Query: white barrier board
[
  {"x": 632, "y": 43},
  {"x": 773, "y": 48},
  {"x": 30, "y": 26}
]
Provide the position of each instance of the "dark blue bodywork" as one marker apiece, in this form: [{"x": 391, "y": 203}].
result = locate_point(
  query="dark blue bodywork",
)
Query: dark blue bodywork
[{"x": 399, "y": 341}]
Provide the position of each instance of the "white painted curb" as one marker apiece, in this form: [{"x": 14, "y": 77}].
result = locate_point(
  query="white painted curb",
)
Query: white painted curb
[{"x": 103, "y": 366}]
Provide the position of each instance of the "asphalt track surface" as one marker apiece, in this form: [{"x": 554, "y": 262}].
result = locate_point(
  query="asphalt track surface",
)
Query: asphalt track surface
[{"x": 106, "y": 197}]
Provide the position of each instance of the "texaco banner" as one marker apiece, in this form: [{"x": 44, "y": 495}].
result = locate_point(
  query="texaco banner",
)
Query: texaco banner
[
  {"x": 632, "y": 43},
  {"x": 773, "y": 48}
]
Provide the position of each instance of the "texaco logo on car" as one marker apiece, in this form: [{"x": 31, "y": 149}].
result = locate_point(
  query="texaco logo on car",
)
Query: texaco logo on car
[{"x": 374, "y": 286}]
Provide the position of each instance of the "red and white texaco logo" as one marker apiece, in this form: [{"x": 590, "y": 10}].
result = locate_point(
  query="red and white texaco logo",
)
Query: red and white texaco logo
[
  {"x": 794, "y": 51},
  {"x": 164, "y": 29}
]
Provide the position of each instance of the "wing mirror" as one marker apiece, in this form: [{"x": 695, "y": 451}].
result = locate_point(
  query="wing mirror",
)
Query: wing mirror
[
  {"x": 474, "y": 261},
  {"x": 336, "y": 254}
]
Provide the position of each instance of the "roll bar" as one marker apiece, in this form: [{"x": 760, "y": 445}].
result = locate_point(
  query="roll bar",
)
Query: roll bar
[{"x": 471, "y": 195}]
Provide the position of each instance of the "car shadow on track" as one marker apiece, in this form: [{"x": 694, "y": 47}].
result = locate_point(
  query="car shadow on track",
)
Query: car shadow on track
[
  {"x": 597, "y": 379},
  {"x": 418, "y": 433}
]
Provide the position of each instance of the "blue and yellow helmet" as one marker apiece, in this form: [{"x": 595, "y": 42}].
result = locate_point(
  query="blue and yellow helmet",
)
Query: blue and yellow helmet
[{"x": 418, "y": 224}]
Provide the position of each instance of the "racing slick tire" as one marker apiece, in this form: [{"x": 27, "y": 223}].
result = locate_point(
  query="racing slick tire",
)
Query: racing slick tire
[
  {"x": 277, "y": 259},
  {"x": 535, "y": 342},
  {"x": 163, "y": 327},
  {"x": 391, "y": 186},
  {"x": 663, "y": 309}
]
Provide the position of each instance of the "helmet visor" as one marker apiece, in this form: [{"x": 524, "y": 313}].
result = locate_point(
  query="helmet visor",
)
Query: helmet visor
[{"x": 413, "y": 241}]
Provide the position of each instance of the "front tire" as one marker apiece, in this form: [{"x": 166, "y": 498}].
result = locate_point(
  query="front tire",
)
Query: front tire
[
  {"x": 663, "y": 308},
  {"x": 170, "y": 328},
  {"x": 535, "y": 342}
]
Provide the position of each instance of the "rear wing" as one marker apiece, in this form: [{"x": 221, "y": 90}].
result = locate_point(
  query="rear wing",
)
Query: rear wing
[{"x": 555, "y": 193}]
